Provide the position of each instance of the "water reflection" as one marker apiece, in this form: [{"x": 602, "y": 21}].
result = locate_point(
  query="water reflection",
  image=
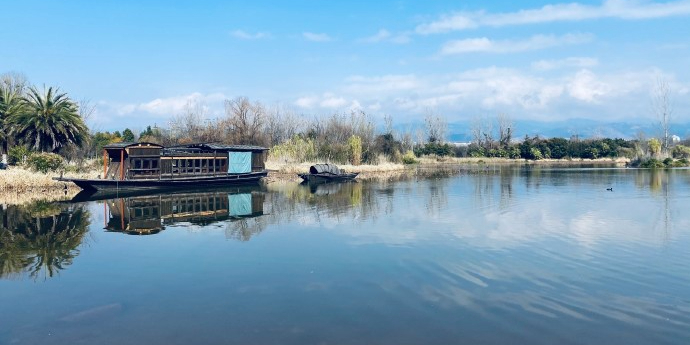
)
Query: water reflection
[
  {"x": 495, "y": 255},
  {"x": 40, "y": 239},
  {"x": 150, "y": 214}
]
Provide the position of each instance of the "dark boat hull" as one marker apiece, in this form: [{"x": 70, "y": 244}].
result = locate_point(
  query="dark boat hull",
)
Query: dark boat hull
[
  {"x": 318, "y": 178},
  {"x": 188, "y": 182}
]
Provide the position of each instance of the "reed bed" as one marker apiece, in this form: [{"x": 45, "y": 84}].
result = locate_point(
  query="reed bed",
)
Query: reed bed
[{"x": 20, "y": 186}]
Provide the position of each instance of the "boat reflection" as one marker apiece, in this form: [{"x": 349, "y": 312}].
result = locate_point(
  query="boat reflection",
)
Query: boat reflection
[{"x": 150, "y": 214}]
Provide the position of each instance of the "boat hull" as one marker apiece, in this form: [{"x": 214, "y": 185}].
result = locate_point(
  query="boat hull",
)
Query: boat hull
[
  {"x": 319, "y": 178},
  {"x": 153, "y": 184}
]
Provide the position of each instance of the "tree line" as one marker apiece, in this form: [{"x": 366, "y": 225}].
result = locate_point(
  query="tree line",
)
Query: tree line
[{"x": 46, "y": 120}]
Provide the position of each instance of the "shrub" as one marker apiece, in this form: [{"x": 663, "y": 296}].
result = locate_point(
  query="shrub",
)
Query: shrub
[
  {"x": 18, "y": 155},
  {"x": 297, "y": 149},
  {"x": 409, "y": 158},
  {"x": 668, "y": 162},
  {"x": 652, "y": 163},
  {"x": 355, "y": 150},
  {"x": 45, "y": 162},
  {"x": 681, "y": 151}
]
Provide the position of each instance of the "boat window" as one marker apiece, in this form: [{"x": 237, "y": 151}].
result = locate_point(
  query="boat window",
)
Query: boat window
[
  {"x": 137, "y": 163},
  {"x": 147, "y": 164},
  {"x": 154, "y": 164}
]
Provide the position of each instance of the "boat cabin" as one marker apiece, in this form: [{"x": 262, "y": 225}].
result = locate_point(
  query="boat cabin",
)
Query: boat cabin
[{"x": 147, "y": 161}]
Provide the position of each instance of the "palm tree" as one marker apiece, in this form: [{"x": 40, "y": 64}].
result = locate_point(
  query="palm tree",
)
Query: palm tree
[
  {"x": 11, "y": 91},
  {"x": 48, "y": 121}
]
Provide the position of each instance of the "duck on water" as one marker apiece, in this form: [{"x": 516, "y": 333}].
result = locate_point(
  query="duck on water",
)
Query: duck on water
[{"x": 142, "y": 166}]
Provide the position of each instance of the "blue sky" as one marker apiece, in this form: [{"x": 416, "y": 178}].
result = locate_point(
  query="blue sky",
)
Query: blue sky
[{"x": 140, "y": 62}]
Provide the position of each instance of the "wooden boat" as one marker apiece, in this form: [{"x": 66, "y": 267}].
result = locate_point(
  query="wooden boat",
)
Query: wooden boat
[
  {"x": 319, "y": 173},
  {"x": 148, "y": 166}
]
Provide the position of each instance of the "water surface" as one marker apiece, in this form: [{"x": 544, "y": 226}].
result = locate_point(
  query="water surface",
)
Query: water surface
[{"x": 492, "y": 256}]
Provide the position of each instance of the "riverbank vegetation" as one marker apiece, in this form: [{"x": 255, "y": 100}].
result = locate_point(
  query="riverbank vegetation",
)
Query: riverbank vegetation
[{"x": 44, "y": 130}]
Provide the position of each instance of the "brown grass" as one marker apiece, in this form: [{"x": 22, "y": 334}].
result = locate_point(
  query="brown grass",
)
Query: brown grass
[{"x": 19, "y": 186}]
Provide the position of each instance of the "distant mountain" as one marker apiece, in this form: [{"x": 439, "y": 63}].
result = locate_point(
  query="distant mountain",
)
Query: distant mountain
[{"x": 461, "y": 131}]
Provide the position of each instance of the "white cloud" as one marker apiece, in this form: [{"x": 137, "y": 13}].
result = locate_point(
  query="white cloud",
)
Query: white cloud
[
  {"x": 381, "y": 84},
  {"x": 384, "y": 35},
  {"x": 486, "y": 45},
  {"x": 306, "y": 102},
  {"x": 585, "y": 86},
  {"x": 316, "y": 37},
  {"x": 243, "y": 35},
  {"x": 579, "y": 62},
  {"x": 170, "y": 105},
  {"x": 620, "y": 9},
  {"x": 565, "y": 93},
  {"x": 332, "y": 101}
]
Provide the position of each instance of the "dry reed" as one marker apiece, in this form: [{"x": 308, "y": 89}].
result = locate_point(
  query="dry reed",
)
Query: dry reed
[{"x": 19, "y": 186}]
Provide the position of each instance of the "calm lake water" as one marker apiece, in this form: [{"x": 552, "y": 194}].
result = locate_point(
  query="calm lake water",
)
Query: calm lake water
[{"x": 496, "y": 256}]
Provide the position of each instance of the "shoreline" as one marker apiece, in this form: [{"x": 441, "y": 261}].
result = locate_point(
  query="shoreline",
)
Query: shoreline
[{"x": 19, "y": 185}]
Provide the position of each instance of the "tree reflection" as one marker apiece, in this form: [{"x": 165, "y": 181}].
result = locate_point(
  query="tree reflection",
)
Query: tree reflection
[{"x": 40, "y": 239}]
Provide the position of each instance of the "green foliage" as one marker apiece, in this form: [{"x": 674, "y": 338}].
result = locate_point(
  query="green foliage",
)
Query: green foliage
[
  {"x": 48, "y": 121},
  {"x": 500, "y": 153},
  {"x": 535, "y": 154},
  {"x": 434, "y": 148},
  {"x": 681, "y": 151},
  {"x": 514, "y": 152},
  {"x": 558, "y": 147},
  {"x": 127, "y": 135},
  {"x": 354, "y": 145},
  {"x": 654, "y": 146},
  {"x": 591, "y": 153},
  {"x": 668, "y": 162},
  {"x": 45, "y": 162},
  {"x": 409, "y": 158},
  {"x": 18, "y": 154},
  {"x": 386, "y": 144},
  {"x": 652, "y": 163},
  {"x": 297, "y": 149},
  {"x": 475, "y": 150}
]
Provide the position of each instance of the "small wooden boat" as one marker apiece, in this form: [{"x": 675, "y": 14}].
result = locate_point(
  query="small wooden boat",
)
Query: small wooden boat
[
  {"x": 147, "y": 166},
  {"x": 326, "y": 173}
]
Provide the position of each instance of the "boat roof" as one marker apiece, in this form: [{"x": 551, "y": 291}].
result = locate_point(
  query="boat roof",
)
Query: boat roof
[
  {"x": 124, "y": 144},
  {"x": 217, "y": 147},
  {"x": 189, "y": 147}
]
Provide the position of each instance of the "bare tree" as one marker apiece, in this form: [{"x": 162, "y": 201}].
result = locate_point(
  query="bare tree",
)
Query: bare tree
[
  {"x": 388, "y": 124},
  {"x": 663, "y": 109},
  {"x": 187, "y": 126},
  {"x": 482, "y": 132},
  {"x": 505, "y": 129},
  {"x": 476, "y": 129},
  {"x": 245, "y": 121},
  {"x": 436, "y": 127},
  {"x": 86, "y": 109},
  {"x": 281, "y": 125}
]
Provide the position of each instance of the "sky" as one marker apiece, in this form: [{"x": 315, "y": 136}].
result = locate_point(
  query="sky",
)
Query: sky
[{"x": 140, "y": 62}]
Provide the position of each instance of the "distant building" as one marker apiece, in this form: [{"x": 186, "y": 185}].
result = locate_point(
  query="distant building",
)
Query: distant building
[{"x": 675, "y": 139}]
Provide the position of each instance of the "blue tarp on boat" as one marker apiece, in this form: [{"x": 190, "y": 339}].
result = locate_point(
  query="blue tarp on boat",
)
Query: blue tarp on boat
[{"x": 240, "y": 162}]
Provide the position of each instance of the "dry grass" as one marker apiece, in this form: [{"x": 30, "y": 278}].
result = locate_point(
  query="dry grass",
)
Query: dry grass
[{"x": 19, "y": 186}]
